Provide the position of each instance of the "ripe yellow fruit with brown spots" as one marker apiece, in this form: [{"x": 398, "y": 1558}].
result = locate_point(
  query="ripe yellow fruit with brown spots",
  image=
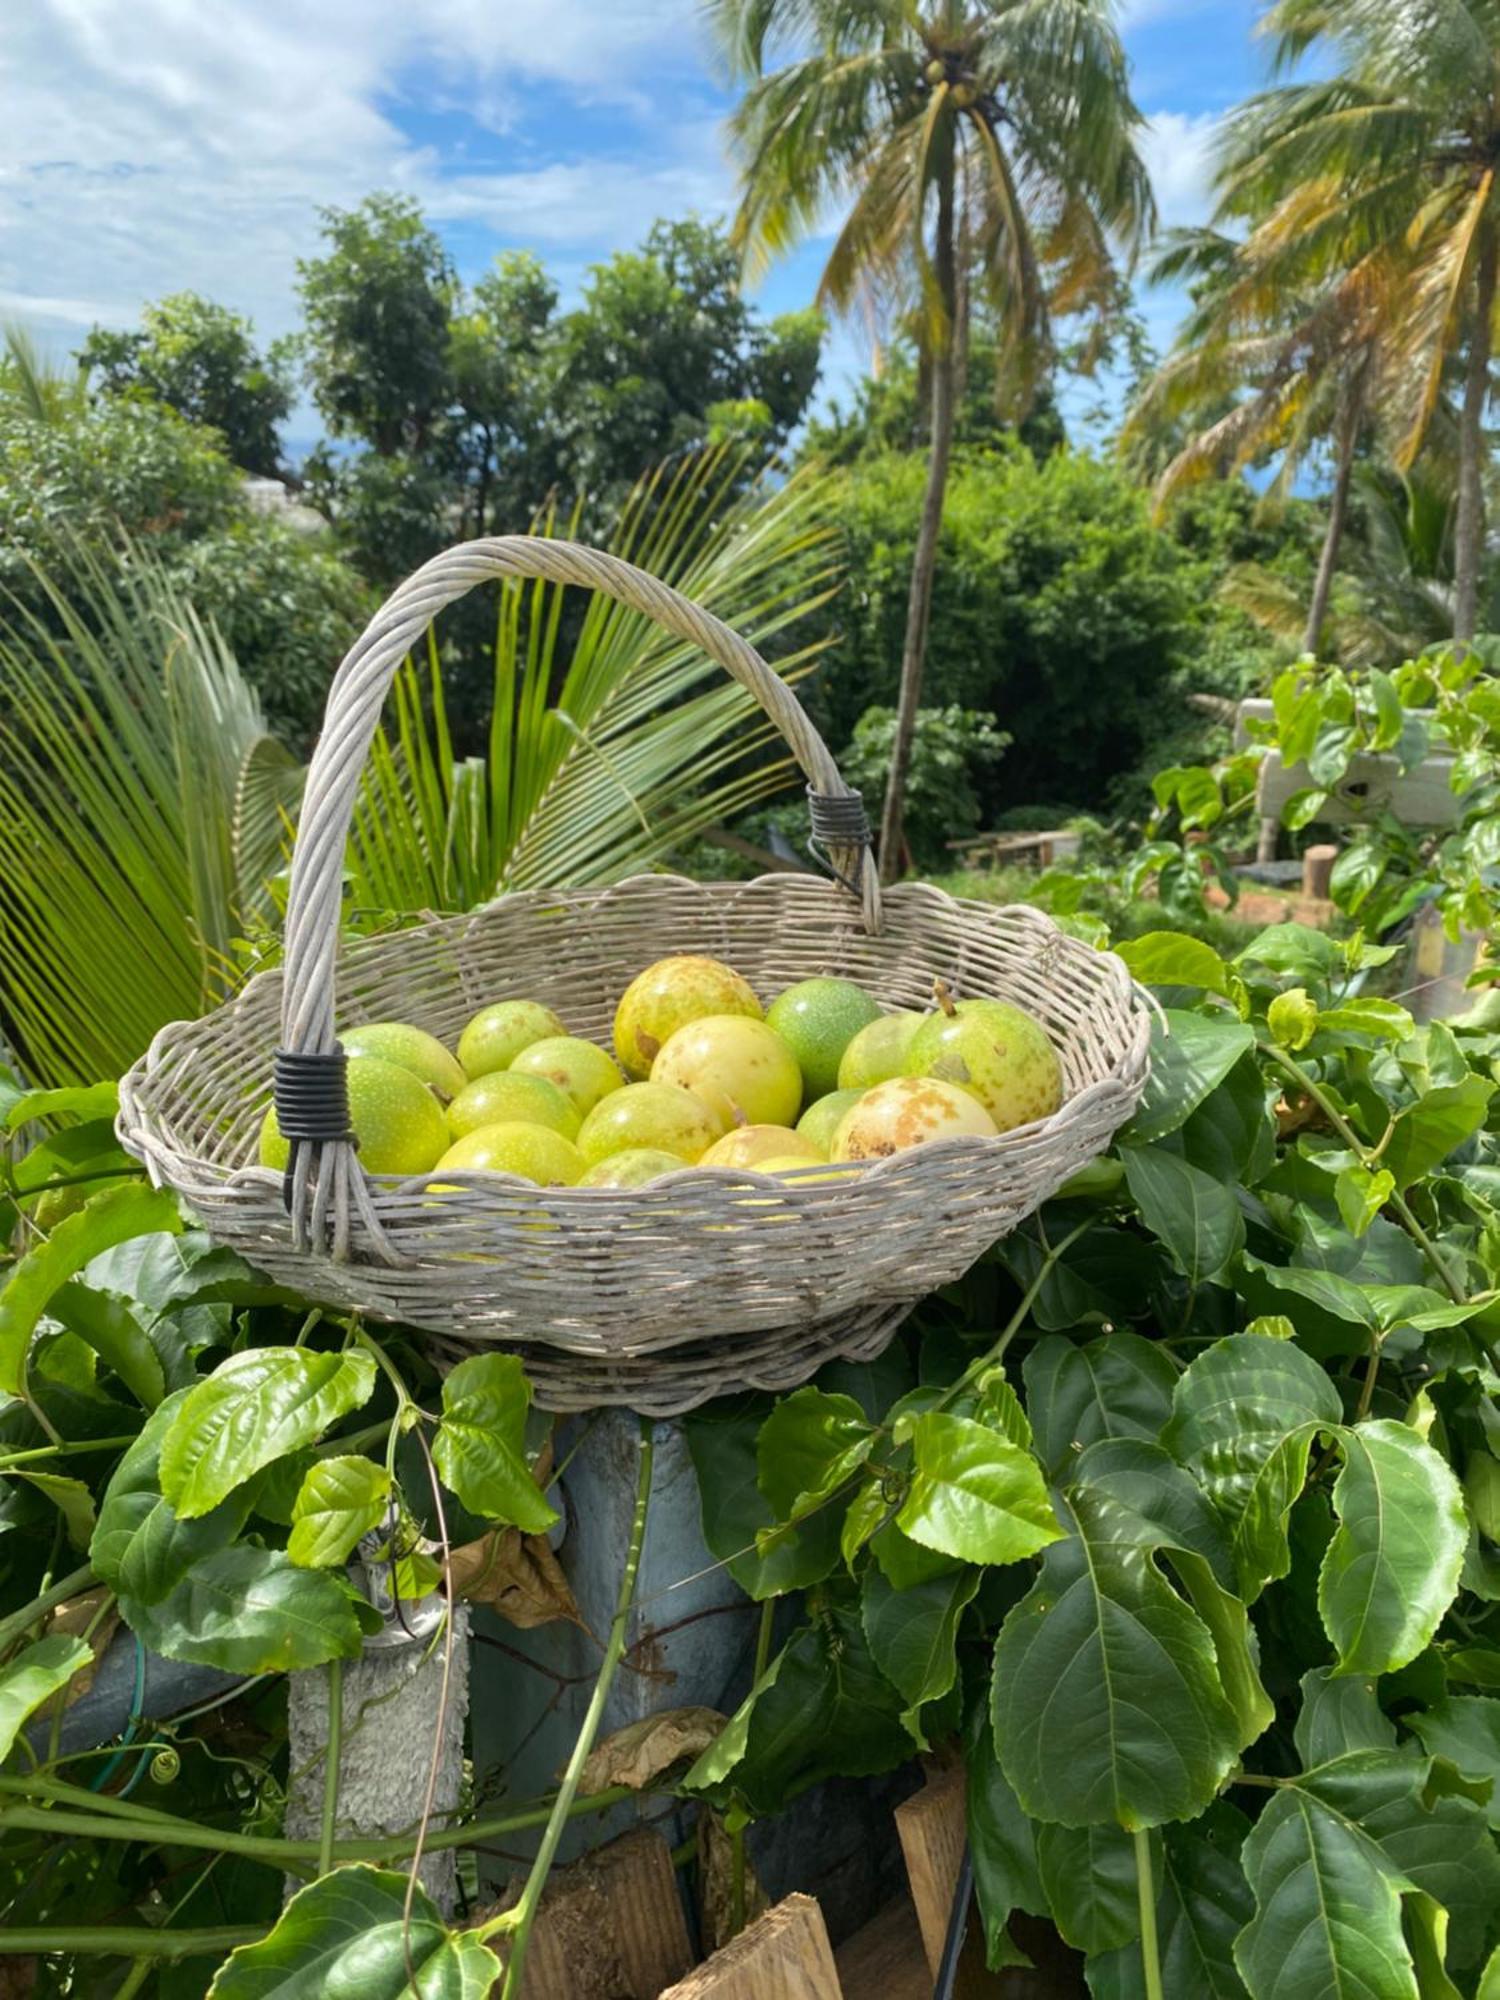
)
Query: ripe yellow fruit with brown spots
[
  {"x": 909, "y": 1111},
  {"x": 669, "y": 994},
  {"x": 749, "y": 1145},
  {"x": 996, "y": 1053}
]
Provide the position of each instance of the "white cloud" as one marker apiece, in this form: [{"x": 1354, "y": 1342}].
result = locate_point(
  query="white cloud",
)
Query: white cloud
[
  {"x": 148, "y": 146},
  {"x": 1177, "y": 147}
]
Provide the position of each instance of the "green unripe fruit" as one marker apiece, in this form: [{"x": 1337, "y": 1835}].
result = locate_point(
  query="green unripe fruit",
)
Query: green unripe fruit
[
  {"x": 632, "y": 1168},
  {"x": 996, "y": 1053},
  {"x": 531, "y": 1152},
  {"x": 657, "y": 1117},
  {"x": 498, "y": 1034},
  {"x": 580, "y": 1070},
  {"x": 818, "y": 1019},
  {"x": 878, "y": 1053},
  {"x": 508, "y": 1096},
  {"x": 820, "y": 1121},
  {"x": 408, "y": 1048},
  {"x": 397, "y": 1121}
]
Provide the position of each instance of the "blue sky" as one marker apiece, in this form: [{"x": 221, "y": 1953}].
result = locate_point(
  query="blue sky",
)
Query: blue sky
[{"x": 160, "y": 145}]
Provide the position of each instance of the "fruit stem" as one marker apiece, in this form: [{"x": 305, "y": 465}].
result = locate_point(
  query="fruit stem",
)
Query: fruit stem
[{"x": 944, "y": 997}]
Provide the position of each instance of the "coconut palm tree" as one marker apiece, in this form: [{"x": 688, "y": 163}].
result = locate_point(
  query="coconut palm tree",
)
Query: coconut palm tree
[
  {"x": 978, "y": 148},
  {"x": 1280, "y": 360},
  {"x": 1399, "y": 150}
]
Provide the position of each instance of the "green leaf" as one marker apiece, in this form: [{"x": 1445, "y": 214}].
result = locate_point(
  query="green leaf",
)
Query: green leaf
[
  {"x": 1169, "y": 1507},
  {"x": 70, "y": 1497},
  {"x": 1389, "y": 714},
  {"x": 254, "y": 1408},
  {"x": 1386, "y": 1020},
  {"x": 827, "y": 1710},
  {"x": 36, "y": 1673},
  {"x": 1244, "y": 1415},
  {"x": 340, "y": 1499},
  {"x": 1202, "y": 1903},
  {"x": 249, "y": 1611},
  {"x": 480, "y": 1448},
  {"x": 913, "y": 1635},
  {"x": 116, "y": 1336},
  {"x": 1196, "y": 1216},
  {"x": 1002, "y": 1840},
  {"x": 1107, "y": 1699},
  {"x": 140, "y": 1548},
  {"x": 1437, "y": 1124},
  {"x": 1431, "y": 1835},
  {"x": 809, "y": 1446},
  {"x": 1466, "y": 1730},
  {"x": 1173, "y": 958},
  {"x": 1190, "y": 1056},
  {"x": 107, "y": 1219},
  {"x": 1292, "y": 1018},
  {"x": 1361, "y": 1195},
  {"x": 721, "y": 1441},
  {"x": 1392, "y": 1569},
  {"x": 1088, "y": 1876},
  {"x": 1232, "y": 1134},
  {"x": 83, "y": 1101},
  {"x": 1327, "y": 1908},
  {"x": 1340, "y": 1713},
  {"x": 346, "y": 1935},
  {"x": 974, "y": 1494},
  {"x": 1117, "y": 1386}
]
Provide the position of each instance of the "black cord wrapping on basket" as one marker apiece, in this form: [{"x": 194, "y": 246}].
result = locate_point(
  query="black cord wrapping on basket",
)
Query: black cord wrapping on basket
[
  {"x": 312, "y": 1104},
  {"x": 838, "y": 819}
]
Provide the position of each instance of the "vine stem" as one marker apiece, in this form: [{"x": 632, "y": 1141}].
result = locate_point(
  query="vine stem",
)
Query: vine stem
[
  {"x": 333, "y": 1756},
  {"x": 1146, "y": 1890},
  {"x": 737, "y": 1837},
  {"x": 21, "y": 1621},
  {"x": 130, "y": 1941},
  {"x": 519, "y": 1920}
]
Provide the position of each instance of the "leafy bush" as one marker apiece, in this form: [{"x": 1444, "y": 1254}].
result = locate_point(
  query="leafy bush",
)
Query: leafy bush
[{"x": 953, "y": 751}]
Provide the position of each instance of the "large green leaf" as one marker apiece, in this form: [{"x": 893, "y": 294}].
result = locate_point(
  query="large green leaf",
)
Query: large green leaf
[
  {"x": 254, "y": 1408},
  {"x": 1327, "y": 1908},
  {"x": 1392, "y": 1569},
  {"x": 1088, "y": 1875},
  {"x": 1439, "y": 1122},
  {"x": 70, "y": 1497},
  {"x": 1002, "y": 1840},
  {"x": 1190, "y": 1055},
  {"x": 346, "y": 1937},
  {"x": 339, "y": 1500},
  {"x": 1466, "y": 1730},
  {"x": 826, "y": 1710},
  {"x": 116, "y": 1336},
  {"x": 140, "y": 1547},
  {"x": 249, "y": 1611},
  {"x": 480, "y": 1448},
  {"x": 974, "y": 1494},
  {"x": 1116, "y": 1386},
  {"x": 106, "y": 1219},
  {"x": 808, "y": 1447},
  {"x": 1244, "y": 1415},
  {"x": 1202, "y": 1903},
  {"x": 1173, "y": 958},
  {"x": 1197, "y": 1216},
  {"x": 913, "y": 1635},
  {"x": 722, "y": 1443},
  {"x": 1340, "y": 1713},
  {"x": 1107, "y": 1701},
  {"x": 36, "y": 1673}
]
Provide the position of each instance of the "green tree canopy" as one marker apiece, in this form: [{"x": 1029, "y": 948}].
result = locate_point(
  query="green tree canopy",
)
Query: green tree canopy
[{"x": 201, "y": 360}]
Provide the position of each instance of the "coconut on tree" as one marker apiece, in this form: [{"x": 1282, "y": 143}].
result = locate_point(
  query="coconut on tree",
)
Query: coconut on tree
[{"x": 982, "y": 151}]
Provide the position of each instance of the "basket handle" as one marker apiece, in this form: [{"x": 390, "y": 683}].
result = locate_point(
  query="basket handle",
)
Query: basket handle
[{"x": 355, "y": 700}]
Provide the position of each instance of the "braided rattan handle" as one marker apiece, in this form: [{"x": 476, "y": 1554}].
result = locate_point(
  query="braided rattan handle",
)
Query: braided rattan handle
[{"x": 355, "y": 701}]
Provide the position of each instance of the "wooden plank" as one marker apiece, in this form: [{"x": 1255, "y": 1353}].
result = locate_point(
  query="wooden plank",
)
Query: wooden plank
[
  {"x": 784, "y": 1955},
  {"x": 611, "y": 1925},
  {"x": 886, "y": 1957},
  {"x": 932, "y": 1831}
]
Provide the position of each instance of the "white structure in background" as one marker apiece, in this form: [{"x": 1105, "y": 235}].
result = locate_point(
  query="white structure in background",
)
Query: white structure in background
[{"x": 272, "y": 496}]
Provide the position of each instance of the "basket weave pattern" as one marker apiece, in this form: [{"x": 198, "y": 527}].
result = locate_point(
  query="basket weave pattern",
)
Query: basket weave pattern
[{"x": 702, "y": 1282}]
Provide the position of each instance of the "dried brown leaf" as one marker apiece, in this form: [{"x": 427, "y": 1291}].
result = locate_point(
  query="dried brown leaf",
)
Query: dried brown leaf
[
  {"x": 73, "y": 1619},
  {"x": 716, "y": 1883},
  {"x": 516, "y": 1575},
  {"x": 638, "y": 1754}
]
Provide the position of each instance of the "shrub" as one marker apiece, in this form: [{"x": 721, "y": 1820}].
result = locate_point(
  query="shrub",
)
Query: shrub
[{"x": 953, "y": 749}]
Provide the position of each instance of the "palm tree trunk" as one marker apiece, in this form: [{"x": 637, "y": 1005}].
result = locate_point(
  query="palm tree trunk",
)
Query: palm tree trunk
[
  {"x": 1338, "y": 509},
  {"x": 1468, "y": 526},
  {"x": 924, "y": 562}
]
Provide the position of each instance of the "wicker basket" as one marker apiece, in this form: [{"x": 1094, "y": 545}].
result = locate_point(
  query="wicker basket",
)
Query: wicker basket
[{"x": 700, "y": 1283}]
